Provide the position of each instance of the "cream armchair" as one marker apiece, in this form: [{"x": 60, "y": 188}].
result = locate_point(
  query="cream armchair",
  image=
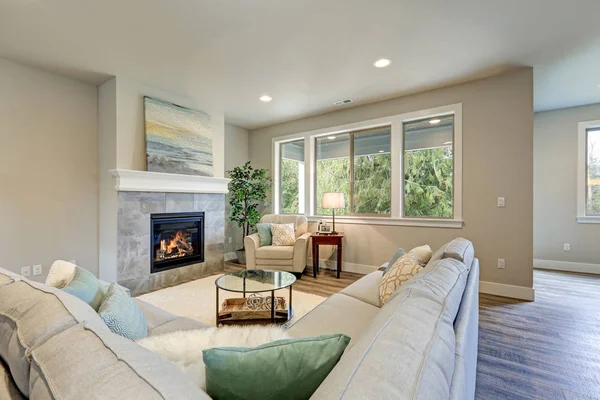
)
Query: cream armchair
[{"x": 284, "y": 258}]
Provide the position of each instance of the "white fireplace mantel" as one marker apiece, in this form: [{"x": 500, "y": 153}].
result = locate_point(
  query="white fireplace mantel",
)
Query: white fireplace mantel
[{"x": 143, "y": 181}]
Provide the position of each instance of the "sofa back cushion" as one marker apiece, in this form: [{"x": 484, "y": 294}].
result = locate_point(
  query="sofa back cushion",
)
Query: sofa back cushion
[
  {"x": 30, "y": 314},
  {"x": 300, "y": 222},
  {"x": 85, "y": 363},
  {"x": 410, "y": 345}
]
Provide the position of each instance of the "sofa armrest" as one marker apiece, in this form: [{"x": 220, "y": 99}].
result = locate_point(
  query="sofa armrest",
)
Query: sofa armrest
[
  {"x": 105, "y": 285},
  {"x": 301, "y": 251},
  {"x": 251, "y": 244}
]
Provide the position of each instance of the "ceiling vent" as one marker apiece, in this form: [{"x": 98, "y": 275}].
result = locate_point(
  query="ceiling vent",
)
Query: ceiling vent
[{"x": 342, "y": 102}]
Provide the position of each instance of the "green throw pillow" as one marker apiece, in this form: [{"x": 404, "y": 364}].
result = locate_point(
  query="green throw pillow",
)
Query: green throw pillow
[
  {"x": 86, "y": 287},
  {"x": 399, "y": 253},
  {"x": 122, "y": 316},
  {"x": 290, "y": 369},
  {"x": 264, "y": 234}
]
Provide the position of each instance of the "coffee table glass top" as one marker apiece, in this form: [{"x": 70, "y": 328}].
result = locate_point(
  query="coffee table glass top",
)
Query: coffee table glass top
[{"x": 255, "y": 281}]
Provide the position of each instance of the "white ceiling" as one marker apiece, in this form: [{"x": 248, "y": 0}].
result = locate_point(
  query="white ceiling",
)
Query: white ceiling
[{"x": 307, "y": 54}]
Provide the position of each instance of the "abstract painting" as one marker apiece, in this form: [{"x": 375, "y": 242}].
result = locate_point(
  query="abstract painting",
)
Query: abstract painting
[{"x": 178, "y": 139}]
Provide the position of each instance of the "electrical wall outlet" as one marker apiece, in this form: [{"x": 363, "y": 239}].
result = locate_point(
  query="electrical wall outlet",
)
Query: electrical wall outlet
[
  {"x": 567, "y": 247},
  {"x": 26, "y": 271},
  {"x": 37, "y": 270},
  {"x": 501, "y": 202},
  {"x": 501, "y": 263}
]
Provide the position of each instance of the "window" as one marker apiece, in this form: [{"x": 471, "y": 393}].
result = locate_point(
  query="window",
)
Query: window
[
  {"x": 292, "y": 177},
  {"x": 357, "y": 164},
  {"x": 428, "y": 167},
  {"x": 399, "y": 170},
  {"x": 592, "y": 190},
  {"x": 588, "y": 173}
]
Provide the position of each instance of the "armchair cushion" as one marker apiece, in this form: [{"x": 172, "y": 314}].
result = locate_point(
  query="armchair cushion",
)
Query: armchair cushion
[
  {"x": 275, "y": 252},
  {"x": 283, "y": 234},
  {"x": 264, "y": 234}
]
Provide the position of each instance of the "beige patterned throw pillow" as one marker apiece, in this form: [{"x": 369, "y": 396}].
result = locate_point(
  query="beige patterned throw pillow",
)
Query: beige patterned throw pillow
[
  {"x": 423, "y": 254},
  {"x": 283, "y": 234},
  {"x": 403, "y": 269}
]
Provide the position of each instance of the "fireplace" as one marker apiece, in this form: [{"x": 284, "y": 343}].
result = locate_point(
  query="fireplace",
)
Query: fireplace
[{"x": 177, "y": 239}]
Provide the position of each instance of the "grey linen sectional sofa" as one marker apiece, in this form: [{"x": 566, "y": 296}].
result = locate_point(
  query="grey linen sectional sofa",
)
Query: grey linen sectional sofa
[{"x": 422, "y": 344}]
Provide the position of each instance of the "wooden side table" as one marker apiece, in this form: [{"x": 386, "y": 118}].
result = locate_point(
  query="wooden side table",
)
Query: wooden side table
[{"x": 325, "y": 239}]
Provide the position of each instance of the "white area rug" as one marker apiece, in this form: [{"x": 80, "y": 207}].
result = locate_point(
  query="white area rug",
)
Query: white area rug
[{"x": 196, "y": 299}]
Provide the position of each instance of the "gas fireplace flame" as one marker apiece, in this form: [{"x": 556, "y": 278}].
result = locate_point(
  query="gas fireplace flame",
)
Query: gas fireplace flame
[{"x": 179, "y": 245}]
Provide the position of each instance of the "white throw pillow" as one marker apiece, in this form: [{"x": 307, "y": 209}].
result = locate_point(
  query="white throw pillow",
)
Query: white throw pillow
[
  {"x": 61, "y": 274},
  {"x": 184, "y": 348},
  {"x": 423, "y": 254},
  {"x": 283, "y": 234},
  {"x": 403, "y": 269}
]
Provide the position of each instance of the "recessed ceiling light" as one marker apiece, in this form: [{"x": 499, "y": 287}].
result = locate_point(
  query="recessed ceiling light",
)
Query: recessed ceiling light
[
  {"x": 266, "y": 98},
  {"x": 448, "y": 142},
  {"x": 381, "y": 151},
  {"x": 382, "y": 63},
  {"x": 435, "y": 121},
  {"x": 331, "y": 137}
]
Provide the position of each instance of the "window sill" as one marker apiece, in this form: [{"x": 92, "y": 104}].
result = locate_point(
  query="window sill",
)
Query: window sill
[
  {"x": 418, "y": 222},
  {"x": 588, "y": 220}
]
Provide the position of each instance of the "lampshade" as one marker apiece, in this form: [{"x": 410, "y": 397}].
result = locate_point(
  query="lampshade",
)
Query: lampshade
[{"x": 333, "y": 200}]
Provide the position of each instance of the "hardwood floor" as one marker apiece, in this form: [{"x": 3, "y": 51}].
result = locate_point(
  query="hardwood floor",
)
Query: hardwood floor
[
  {"x": 325, "y": 285},
  {"x": 547, "y": 349}
]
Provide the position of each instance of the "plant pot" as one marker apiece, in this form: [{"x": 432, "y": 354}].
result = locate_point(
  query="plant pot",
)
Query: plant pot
[{"x": 241, "y": 256}]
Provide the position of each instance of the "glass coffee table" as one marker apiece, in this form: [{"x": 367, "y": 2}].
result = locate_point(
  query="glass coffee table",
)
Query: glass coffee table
[{"x": 254, "y": 307}]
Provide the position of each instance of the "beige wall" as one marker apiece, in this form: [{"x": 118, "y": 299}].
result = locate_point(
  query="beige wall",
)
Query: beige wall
[
  {"x": 236, "y": 154},
  {"x": 555, "y": 188},
  {"x": 497, "y": 161},
  {"x": 48, "y": 169}
]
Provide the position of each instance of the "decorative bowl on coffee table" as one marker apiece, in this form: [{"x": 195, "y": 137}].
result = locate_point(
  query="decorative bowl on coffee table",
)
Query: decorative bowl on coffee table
[{"x": 259, "y": 304}]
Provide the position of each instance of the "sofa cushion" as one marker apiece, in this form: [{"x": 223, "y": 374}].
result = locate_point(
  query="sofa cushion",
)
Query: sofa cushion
[
  {"x": 300, "y": 222},
  {"x": 178, "y": 324},
  {"x": 155, "y": 316},
  {"x": 60, "y": 274},
  {"x": 416, "y": 328},
  {"x": 122, "y": 315},
  {"x": 460, "y": 249},
  {"x": 366, "y": 289},
  {"x": 397, "y": 254},
  {"x": 8, "y": 390},
  {"x": 275, "y": 252},
  {"x": 264, "y": 234},
  {"x": 338, "y": 314},
  {"x": 84, "y": 363},
  {"x": 85, "y": 286},
  {"x": 423, "y": 254},
  {"x": 30, "y": 314},
  {"x": 403, "y": 269}
]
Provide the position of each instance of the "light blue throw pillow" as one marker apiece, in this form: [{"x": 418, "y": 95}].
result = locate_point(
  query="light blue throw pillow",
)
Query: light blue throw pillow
[
  {"x": 122, "y": 316},
  {"x": 86, "y": 287},
  {"x": 399, "y": 253},
  {"x": 264, "y": 234}
]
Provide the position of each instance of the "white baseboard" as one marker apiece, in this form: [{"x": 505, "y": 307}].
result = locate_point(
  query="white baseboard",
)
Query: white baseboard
[
  {"x": 346, "y": 266},
  {"x": 567, "y": 266},
  {"x": 512, "y": 291},
  {"x": 230, "y": 256}
]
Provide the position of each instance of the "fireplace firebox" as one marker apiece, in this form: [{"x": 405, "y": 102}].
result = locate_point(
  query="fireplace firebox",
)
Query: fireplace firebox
[{"x": 177, "y": 239}]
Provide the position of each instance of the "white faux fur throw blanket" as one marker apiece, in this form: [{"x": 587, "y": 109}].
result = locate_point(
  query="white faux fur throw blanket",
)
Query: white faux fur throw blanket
[{"x": 184, "y": 348}]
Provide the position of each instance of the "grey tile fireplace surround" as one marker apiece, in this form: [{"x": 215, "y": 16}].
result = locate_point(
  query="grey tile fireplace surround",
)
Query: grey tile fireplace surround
[{"x": 133, "y": 238}]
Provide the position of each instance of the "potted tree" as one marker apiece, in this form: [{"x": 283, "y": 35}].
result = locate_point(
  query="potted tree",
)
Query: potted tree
[{"x": 247, "y": 190}]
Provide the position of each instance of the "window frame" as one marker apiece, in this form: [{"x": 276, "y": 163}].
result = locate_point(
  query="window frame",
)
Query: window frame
[
  {"x": 582, "y": 168},
  {"x": 397, "y": 150},
  {"x": 351, "y": 135},
  {"x": 279, "y": 193}
]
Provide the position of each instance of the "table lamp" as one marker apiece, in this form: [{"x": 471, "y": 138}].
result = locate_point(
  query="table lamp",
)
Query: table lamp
[{"x": 333, "y": 201}]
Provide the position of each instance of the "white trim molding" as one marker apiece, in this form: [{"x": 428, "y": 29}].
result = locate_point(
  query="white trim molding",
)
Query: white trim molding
[
  {"x": 144, "y": 181},
  {"x": 396, "y": 122},
  {"x": 512, "y": 291},
  {"x": 567, "y": 266},
  {"x": 582, "y": 129},
  {"x": 423, "y": 222}
]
